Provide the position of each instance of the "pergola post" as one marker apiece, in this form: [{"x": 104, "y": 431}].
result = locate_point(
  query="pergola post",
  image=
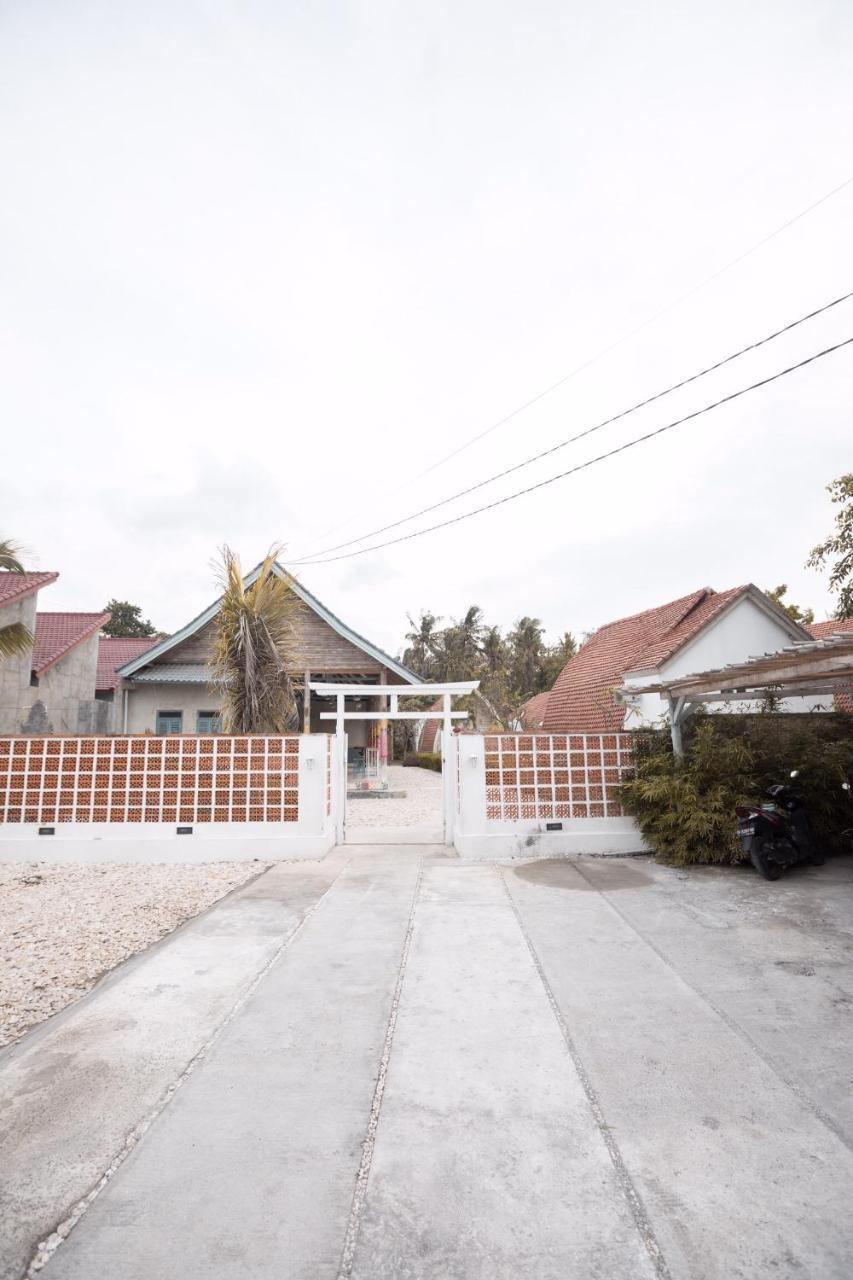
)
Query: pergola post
[
  {"x": 306, "y": 703},
  {"x": 676, "y": 711}
]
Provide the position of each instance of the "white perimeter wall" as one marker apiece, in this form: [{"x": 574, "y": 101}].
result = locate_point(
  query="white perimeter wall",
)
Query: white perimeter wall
[
  {"x": 478, "y": 838},
  {"x": 311, "y": 836}
]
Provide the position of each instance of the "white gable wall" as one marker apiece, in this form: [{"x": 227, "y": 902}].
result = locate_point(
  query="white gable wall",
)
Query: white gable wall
[{"x": 745, "y": 630}]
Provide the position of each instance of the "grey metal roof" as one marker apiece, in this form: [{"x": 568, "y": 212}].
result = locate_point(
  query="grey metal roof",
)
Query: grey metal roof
[
  {"x": 175, "y": 673},
  {"x": 129, "y": 670}
]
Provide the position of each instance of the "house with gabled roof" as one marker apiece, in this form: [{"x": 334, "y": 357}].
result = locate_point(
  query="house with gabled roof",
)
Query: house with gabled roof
[
  {"x": 698, "y": 631},
  {"x": 50, "y": 688},
  {"x": 166, "y": 688}
]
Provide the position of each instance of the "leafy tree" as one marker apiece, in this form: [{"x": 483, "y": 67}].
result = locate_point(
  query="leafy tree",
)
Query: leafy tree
[
  {"x": 510, "y": 668},
  {"x": 15, "y": 638},
  {"x": 556, "y": 657},
  {"x": 423, "y": 639},
  {"x": 527, "y": 647},
  {"x": 493, "y": 650},
  {"x": 803, "y": 616},
  {"x": 459, "y": 652},
  {"x": 127, "y": 620},
  {"x": 837, "y": 549},
  {"x": 253, "y": 647}
]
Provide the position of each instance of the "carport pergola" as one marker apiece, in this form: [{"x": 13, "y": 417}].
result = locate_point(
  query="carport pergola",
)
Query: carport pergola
[{"x": 814, "y": 668}]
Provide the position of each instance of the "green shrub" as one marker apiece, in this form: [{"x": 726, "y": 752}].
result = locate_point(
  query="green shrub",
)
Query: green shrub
[
  {"x": 423, "y": 760},
  {"x": 686, "y": 808}
]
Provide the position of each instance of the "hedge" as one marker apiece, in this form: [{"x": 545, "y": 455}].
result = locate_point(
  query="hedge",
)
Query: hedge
[
  {"x": 423, "y": 760},
  {"x": 686, "y": 808}
]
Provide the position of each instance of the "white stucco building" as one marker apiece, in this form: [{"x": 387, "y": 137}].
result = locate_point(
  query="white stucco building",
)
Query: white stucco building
[{"x": 693, "y": 633}]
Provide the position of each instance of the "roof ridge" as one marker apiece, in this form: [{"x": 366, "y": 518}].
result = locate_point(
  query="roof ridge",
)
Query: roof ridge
[
  {"x": 77, "y": 613},
  {"x": 695, "y": 596},
  {"x": 47, "y": 652}
]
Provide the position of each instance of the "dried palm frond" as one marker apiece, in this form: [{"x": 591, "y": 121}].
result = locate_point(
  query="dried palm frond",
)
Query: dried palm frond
[
  {"x": 253, "y": 647},
  {"x": 10, "y": 556},
  {"x": 15, "y": 639}
]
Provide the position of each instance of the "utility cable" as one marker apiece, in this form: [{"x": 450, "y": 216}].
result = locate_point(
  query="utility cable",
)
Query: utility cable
[
  {"x": 537, "y": 457},
  {"x": 670, "y": 306},
  {"x": 582, "y": 466}
]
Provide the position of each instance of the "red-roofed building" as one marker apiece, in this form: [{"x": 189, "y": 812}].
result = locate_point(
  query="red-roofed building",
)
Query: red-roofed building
[
  {"x": 17, "y": 586},
  {"x": 834, "y": 627},
  {"x": 114, "y": 652},
  {"x": 58, "y": 633},
  {"x": 533, "y": 712},
  {"x": 703, "y": 630},
  {"x": 51, "y": 687},
  {"x": 18, "y": 604},
  {"x": 821, "y": 631}
]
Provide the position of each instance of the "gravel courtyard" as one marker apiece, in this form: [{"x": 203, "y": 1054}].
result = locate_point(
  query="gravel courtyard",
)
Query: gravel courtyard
[
  {"x": 421, "y": 807},
  {"x": 391, "y": 1064},
  {"x": 63, "y": 926}
]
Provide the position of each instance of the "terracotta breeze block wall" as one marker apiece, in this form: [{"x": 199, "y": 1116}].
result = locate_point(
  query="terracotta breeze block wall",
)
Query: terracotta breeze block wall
[
  {"x": 149, "y": 779},
  {"x": 554, "y": 775}
]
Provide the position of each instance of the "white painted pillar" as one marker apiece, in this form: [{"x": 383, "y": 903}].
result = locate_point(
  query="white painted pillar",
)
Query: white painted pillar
[
  {"x": 449, "y": 750},
  {"x": 471, "y": 818},
  {"x": 340, "y": 787}
]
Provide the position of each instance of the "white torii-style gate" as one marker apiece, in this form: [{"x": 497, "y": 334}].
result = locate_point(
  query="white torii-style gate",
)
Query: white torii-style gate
[{"x": 393, "y": 692}]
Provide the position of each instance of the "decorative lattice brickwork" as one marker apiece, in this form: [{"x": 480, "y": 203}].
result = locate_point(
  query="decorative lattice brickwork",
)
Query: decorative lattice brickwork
[
  {"x": 183, "y": 779},
  {"x": 549, "y": 776}
]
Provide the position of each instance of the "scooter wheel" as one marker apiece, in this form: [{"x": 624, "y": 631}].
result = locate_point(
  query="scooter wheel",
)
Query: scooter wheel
[{"x": 759, "y": 859}]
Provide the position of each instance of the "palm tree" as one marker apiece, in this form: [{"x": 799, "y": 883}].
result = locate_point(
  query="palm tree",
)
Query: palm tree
[
  {"x": 252, "y": 648},
  {"x": 422, "y": 643},
  {"x": 493, "y": 650},
  {"x": 15, "y": 638},
  {"x": 470, "y": 629},
  {"x": 526, "y": 645}
]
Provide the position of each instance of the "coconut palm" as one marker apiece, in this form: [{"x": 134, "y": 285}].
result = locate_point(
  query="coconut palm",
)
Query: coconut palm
[
  {"x": 419, "y": 656},
  {"x": 526, "y": 645},
  {"x": 15, "y": 639},
  {"x": 253, "y": 646},
  {"x": 493, "y": 650}
]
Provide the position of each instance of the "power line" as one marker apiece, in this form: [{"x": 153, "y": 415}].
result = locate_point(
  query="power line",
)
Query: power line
[
  {"x": 537, "y": 457},
  {"x": 670, "y": 306},
  {"x": 582, "y": 466}
]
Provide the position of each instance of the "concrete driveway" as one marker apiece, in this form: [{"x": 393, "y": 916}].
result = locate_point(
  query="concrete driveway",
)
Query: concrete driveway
[{"x": 393, "y": 1064}]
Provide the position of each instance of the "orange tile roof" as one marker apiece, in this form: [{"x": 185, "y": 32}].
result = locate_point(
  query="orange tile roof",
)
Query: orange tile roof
[
  {"x": 820, "y": 630},
  {"x": 582, "y": 698},
  {"x": 59, "y": 633},
  {"x": 114, "y": 652},
  {"x": 534, "y": 709},
  {"x": 14, "y": 586}
]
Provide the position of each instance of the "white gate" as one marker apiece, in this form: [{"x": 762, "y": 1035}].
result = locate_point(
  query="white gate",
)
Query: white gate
[{"x": 392, "y": 694}]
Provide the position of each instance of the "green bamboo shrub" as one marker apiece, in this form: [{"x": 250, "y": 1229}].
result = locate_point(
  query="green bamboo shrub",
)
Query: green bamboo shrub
[{"x": 686, "y": 808}]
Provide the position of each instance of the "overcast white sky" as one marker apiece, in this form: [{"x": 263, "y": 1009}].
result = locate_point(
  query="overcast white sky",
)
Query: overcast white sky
[{"x": 263, "y": 263}]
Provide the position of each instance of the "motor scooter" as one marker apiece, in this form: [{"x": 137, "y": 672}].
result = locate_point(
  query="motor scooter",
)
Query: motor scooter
[{"x": 778, "y": 833}]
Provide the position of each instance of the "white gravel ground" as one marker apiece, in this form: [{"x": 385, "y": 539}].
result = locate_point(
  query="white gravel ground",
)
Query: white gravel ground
[
  {"x": 421, "y": 807},
  {"x": 62, "y": 927}
]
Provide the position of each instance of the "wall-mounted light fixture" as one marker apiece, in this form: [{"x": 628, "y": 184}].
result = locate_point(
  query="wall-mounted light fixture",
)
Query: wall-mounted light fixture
[{"x": 309, "y": 762}]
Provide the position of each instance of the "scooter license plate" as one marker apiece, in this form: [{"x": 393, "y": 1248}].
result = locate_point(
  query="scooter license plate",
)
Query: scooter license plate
[{"x": 748, "y": 830}]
